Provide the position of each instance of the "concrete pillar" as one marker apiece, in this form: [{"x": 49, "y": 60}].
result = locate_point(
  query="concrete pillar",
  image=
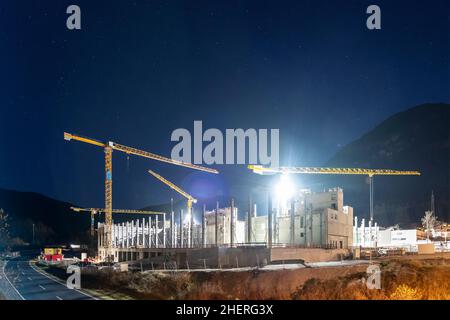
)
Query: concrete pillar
[
  {"x": 172, "y": 225},
  {"x": 127, "y": 235},
  {"x": 164, "y": 231},
  {"x": 122, "y": 239},
  {"x": 138, "y": 231},
  {"x": 216, "y": 230},
  {"x": 363, "y": 227},
  {"x": 292, "y": 229},
  {"x": 181, "y": 229},
  {"x": 232, "y": 223},
  {"x": 143, "y": 233},
  {"x": 119, "y": 235},
  {"x": 203, "y": 226},
  {"x": 149, "y": 237},
  {"x": 175, "y": 235},
  {"x": 99, "y": 233},
  {"x": 269, "y": 221},
  {"x": 191, "y": 227},
  {"x": 112, "y": 236},
  {"x": 156, "y": 232},
  {"x": 133, "y": 240},
  {"x": 116, "y": 229},
  {"x": 249, "y": 219},
  {"x": 119, "y": 228}
]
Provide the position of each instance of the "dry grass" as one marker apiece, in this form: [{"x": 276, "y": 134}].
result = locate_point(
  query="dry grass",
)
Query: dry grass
[{"x": 400, "y": 279}]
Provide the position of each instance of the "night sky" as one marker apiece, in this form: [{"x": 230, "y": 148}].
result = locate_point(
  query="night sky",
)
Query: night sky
[{"x": 140, "y": 69}]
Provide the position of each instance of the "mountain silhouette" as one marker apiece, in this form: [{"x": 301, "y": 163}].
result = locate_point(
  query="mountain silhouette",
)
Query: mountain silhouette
[
  {"x": 53, "y": 220},
  {"x": 415, "y": 139}
]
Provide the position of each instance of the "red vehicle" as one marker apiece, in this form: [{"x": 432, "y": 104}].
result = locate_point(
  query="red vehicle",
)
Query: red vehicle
[{"x": 53, "y": 254}]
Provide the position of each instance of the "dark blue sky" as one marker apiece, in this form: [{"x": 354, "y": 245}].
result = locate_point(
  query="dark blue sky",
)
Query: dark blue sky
[{"x": 140, "y": 69}]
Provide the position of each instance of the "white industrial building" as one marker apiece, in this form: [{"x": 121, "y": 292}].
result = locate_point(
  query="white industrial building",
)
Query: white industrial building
[
  {"x": 374, "y": 236},
  {"x": 320, "y": 220},
  {"x": 307, "y": 219}
]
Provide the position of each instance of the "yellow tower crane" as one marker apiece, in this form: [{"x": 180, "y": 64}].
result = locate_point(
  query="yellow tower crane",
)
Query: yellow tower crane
[
  {"x": 344, "y": 171},
  {"x": 95, "y": 211},
  {"x": 108, "y": 148},
  {"x": 190, "y": 201}
]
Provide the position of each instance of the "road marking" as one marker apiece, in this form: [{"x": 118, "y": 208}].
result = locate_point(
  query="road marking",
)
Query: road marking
[
  {"x": 58, "y": 298},
  {"x": 17, "y": 291},
  {"x": 42, "y": 287},
  {"x": 58, "y": 281},
  {"x": 29, "y": 278}
]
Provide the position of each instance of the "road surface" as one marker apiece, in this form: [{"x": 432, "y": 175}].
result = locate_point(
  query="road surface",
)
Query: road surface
[{"x": 30, "y": 283}]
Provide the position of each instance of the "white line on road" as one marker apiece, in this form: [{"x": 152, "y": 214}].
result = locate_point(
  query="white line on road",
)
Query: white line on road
[
  {"x": 17, "y": 291},
  {"x": 53, "y": 278},
  {"x": 43, "y": 288},
  {"x": 58, "y": 298}
]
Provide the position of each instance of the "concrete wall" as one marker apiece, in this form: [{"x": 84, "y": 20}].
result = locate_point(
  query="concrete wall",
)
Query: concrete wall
[
  {"x": 195, "y": 258},
  {"x": 307, "y": 254}
]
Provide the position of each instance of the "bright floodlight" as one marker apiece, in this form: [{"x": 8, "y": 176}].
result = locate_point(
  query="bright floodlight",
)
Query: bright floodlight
[{"x": 284, "y": 188}]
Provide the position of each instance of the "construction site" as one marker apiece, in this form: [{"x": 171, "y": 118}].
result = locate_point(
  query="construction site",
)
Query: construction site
[{"x": 299, "y": 225}]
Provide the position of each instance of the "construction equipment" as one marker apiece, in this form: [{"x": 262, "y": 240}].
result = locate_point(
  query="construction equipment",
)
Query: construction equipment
[
  {"x": 108, "y": 148},
  {"x": 344, "y": 171},
  {"x": 95, "y": 211},
  {"x": 190, "y": 201}
]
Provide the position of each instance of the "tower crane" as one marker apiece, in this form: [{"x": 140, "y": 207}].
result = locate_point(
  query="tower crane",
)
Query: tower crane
[
  {"x": 108, "y": 148},
  {"x": 95, "y": 211},
  {"x": 190, "y": 201},
  {"x": 343, "y": 171}
]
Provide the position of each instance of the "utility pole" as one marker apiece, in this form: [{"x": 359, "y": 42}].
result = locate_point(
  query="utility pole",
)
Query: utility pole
[{"x": 33, "y": 233}]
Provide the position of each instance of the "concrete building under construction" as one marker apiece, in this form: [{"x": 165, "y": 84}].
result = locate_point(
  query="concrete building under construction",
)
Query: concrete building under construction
[{"x": 309, "y": 223}]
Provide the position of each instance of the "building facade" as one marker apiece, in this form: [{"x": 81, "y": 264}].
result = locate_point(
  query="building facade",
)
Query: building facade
[{"x": 320, "y": 220}]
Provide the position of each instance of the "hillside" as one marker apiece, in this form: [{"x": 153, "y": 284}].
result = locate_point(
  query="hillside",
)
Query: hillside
[
  {"x": 54, "y": 221},
  {"x": 416, "y": 139}
]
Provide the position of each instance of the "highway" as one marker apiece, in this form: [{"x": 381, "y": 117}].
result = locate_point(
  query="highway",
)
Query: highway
[{"x": 30, "y": 283}]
